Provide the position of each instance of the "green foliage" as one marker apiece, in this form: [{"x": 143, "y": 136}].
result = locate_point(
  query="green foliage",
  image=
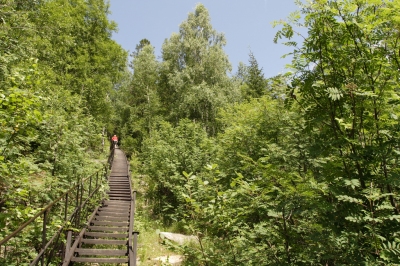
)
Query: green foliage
[
  {"x": 58, "y": 66},
  {"x": 167, "y": 154},
  {"x": 255, "y": 79},
  {"x": 79, "y": 33},
  {"x": 345, "y": 79},
  {"x": 139, "y": 47},
  {"x": 303, "y": 173},
  {"x": 194, "y": 81},
  {"x": 141, "y": 95}
]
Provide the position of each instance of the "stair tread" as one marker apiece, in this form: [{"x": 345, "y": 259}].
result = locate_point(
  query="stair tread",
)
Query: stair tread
[
  {"x": 94, "y": 222},
  {"x": 105, "y": 252},
  {"x": 111, "y": 218},
  {"x": 112, "y": 209},
  {"x": 123, "y": 198},
  {"x": 110, "y": 235},
  {"x": 101, "y": 260},
  {"x": 120, "y": 213},
  {"x": 104, "y": 241},
  {"x": 118, "y": 204},
  {"x": 108, "y": 229}
]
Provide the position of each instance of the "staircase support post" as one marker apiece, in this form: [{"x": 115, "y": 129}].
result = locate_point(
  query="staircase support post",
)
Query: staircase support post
[
  {"x": 44, "y": 233},
  {"x": 135, "y": 236},
  {"x": 68, "y": 244}
]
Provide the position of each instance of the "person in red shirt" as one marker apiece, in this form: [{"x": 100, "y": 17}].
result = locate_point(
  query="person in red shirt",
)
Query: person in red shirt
[{"x": 114, "y": 140}]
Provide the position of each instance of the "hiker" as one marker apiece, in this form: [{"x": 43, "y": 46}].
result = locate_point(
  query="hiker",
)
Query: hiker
[{"x": 114, "y": 140}]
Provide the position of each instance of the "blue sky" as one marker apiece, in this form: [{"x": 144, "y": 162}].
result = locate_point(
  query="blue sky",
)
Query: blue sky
[{"x": 245, "y": 23}]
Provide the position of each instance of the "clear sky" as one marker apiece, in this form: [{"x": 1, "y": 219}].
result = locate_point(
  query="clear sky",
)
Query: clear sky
[{"x": 245, "y": 23}]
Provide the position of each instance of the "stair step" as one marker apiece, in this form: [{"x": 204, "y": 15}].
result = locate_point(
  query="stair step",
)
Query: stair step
[
  {"x": 108, "y": 229},
  {"x": 117, "y": 205},
  {"x": 115, "y": 209},
  {"x": 124, "y": 189},
  {"x": 113, "y": 212},
  {"x": 104, "y": 241},
  {"x": 100, "y": 260},
  {"x": 121, "y": 198},
  {"x": 126, "y": 204},
  {"x": 117, "y": 193},
  {"x": 94, "y": 222},
  {"x": 111, "y": 235},
  {"x": 110, "y": 218},
  {"x": 116, "y": 202},
  {"x": 124, "y": 195},
  {"x": 104, "y": 252}
]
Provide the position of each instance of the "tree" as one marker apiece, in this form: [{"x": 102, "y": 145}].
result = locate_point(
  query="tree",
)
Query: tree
[
  {"x": 139, "y": 47},
  {"x": 167, "y": 155},
  {"x": 57, "y": 67},
  {"x": 308, "y": 173},
  {"x": 345, "y": 80},
  {"x": 255, "y": 80},
  {"x": 141, "y": 95},
  {"x": 194, "y": 81},
  {"x": 80, "y": 34}
]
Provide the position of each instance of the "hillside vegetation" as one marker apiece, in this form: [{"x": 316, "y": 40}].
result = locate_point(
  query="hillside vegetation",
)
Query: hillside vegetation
[
  {"x": 58, "y": 70},
  {"x": 296, "y": 169}
]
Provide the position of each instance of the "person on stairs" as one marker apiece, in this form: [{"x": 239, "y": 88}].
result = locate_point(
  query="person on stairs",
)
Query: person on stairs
[{"x": 114, "y": 140}]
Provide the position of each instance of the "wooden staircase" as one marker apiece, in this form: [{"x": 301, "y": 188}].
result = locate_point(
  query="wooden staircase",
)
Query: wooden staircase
[{"x": 108, "y": 235}]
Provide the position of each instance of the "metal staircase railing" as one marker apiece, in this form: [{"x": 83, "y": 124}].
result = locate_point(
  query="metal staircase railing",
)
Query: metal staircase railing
[
  {"x": 109, "y": 235},
  {"x": 72, "y": 207}
]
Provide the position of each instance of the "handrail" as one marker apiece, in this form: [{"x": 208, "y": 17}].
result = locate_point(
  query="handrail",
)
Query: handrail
[
  {"x": 36, "y": 260},
  {"x": 68, "y": 256},
  {"x": 5, "y": 240},
  {"x": 132, "y": 243},
  {"x": 132, "y": 235},
  {"x": 80, "y": 188},
  {"x": 13, "y": 234}
]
